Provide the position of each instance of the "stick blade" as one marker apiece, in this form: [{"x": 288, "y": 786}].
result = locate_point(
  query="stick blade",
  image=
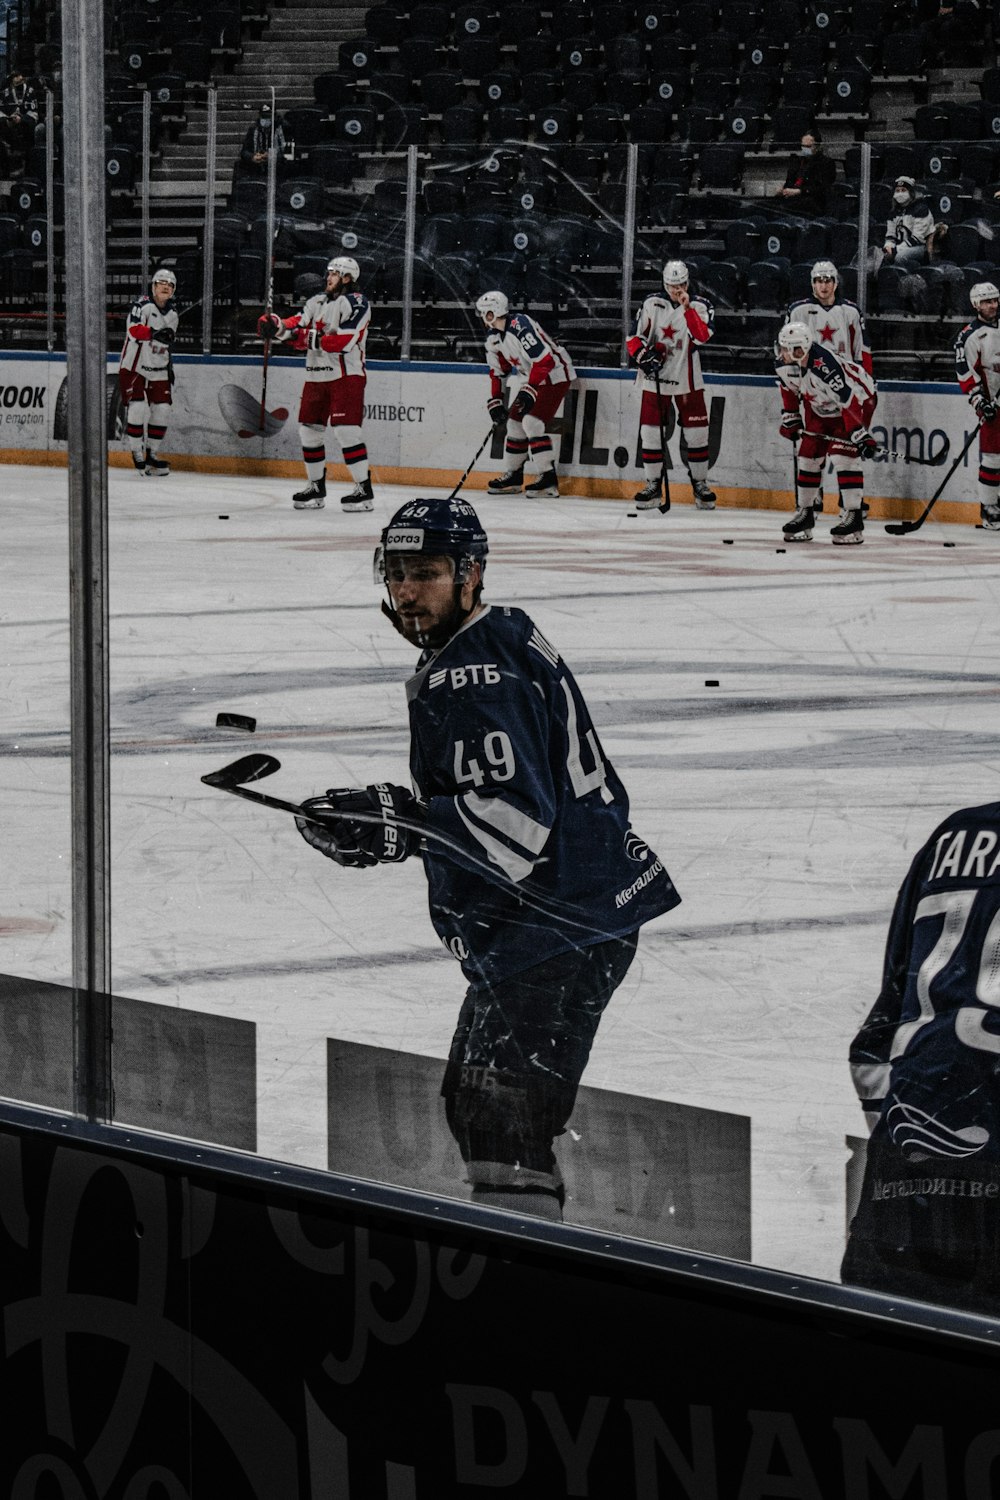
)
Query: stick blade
[
  {"x": 239, "y": 772},
  {"x": 901, "y": 528}
]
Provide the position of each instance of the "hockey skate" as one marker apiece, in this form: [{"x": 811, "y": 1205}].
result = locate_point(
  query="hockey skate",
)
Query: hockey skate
[
  {"x": 360, "y": 498},
  {"x": 704, "y": 498},
  {"x": 507, "y": 484},
  {"x": 313, "y": 497},
  {"x": 800, "y": 527},
  {"x": 156, "y": 468},
  {"x": 989, "y": 516},
  {"x": 649, "y": 496},
  {"x": 139, "y": 460},
  {"x": 545, "y": 484},
  {"x": 850, "y": 530}
]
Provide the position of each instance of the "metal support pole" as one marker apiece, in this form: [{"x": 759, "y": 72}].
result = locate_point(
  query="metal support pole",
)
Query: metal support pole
[
  {"x": 628, "y": 249},
  {"x": 50, "y": 217},
  {"x": 409, "y": 251},
  {"x": 272, "y": 191},
  {"x": 864, "y": 215},
  {"x": 208, "y": 243},
  {"x": 83, "y": 133},
  {"x": 147, "y": 114}
]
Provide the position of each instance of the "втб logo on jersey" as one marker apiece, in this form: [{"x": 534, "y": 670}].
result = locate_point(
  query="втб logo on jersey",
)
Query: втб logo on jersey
[{"x": 477, "y": 674}]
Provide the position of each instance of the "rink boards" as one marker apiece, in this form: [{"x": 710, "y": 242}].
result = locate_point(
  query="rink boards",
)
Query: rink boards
[{"x": 424, "y": 422}]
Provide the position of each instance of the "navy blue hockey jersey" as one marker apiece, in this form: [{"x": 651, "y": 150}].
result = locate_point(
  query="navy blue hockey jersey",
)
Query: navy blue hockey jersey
[
  {"x": 529, "y": 852},
  {"x": 926, "y": 1061}
]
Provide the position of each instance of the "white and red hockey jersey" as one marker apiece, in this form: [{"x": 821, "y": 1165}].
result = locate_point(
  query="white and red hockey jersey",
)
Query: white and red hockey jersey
[
  {"x": 339, "y": 328},
  {"x": 828, "y": 387},
  {"x": 840, "y": 327},
  {"x": 977, "y": 360},
  {"x": 676, "y": 333},
  {"x": 142, "y": 351},
  {"x": 523, "y": 348}
]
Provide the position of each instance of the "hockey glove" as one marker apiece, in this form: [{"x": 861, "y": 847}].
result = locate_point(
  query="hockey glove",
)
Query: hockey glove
[
  {"x": 650, "y": 362},
  {"x": 983, "y": 407},
  {"x": 791, "y": 426},
  {"x": 314, "y": 336},
  {"x": 863, "y": 441},
  {"x": 269, "y": 326},
  {"x": 164, "y": 336},
  {"x": 523, "y": 402},
  {"x": 361, "y": 827},
  {"x": 497, "y": 411}
]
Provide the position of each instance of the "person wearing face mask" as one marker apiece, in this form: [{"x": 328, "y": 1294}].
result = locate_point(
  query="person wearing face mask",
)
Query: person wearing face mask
[
  {"x": 809, "y": 178},
  {"x": 257, "y": 143},
  {"x": 909, "y": 230}
]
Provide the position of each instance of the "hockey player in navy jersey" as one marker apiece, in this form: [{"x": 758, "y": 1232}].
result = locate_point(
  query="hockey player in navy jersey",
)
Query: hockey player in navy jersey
[
  {"x": 925, "y": 1065},
  {"x": 145, "y": 373},
  {"x": 977, "y": 363},
  {"x": 827, "y": 404},
  {"x": 517, "y": 347},
  {"x": 537, "y": 881}
]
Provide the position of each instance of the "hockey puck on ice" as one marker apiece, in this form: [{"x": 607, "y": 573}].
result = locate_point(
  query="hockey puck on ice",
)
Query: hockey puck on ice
[
  {"x": 632, "y": 514},
  {"x": 711, "y": 682},
  {"x": 947, "y": 544},
  {"x": 223, "y": 518},
  {"x": 779, "y": 549},
  {"x": 235, "y": 721},
  {"x": 727, "y": 541}
]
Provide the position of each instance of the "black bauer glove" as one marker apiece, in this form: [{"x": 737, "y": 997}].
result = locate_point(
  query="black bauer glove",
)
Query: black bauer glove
[
  {"x": 791, "y": 426},
  {"x": 523, "y": 402},
  {"x": 164, "y": 335},
  {"x": 497, "y": 411},
  {"x": 983, "y": 407},
  {"x": 863, "y": 441},
  {"x": 361, "y": 827},
  {"x": 268, "y": 326},
  {"x": 650, "y": 362}
]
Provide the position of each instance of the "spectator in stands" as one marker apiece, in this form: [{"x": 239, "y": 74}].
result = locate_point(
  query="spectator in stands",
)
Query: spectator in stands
[
  {"x": 809, "y": 178},
  {"x": 18, "y": 118},
  {"x": 257, "y": 143},
  {"x": 953, "y": 32},
  {"x": 909, "y": 233}
]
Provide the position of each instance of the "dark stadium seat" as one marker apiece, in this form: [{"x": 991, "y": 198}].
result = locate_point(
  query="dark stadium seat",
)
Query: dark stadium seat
[
  {"x": 384, "y": 23},
  {"x": 602, "y": 124},
  {"x": 222, "y": 27},
  {"x": 249, "y": 197},
  {"x": 570, "y": 19},
  {"x": 334, "y": 165},
  {"x": 178, "y": 24},
  {"x": 825, "y": 18},
  {"x": 951, "y": 202},
  {"x": 476, "y": 20},
  {"x": 578, "y": 52},
  {"x": 989, "y": 124},
  {"x": 460, "y": 123},
  {"x": 778, "y": 238},
  {"x": 780, "y": 21},
  {"x": 503, "y": 86},
  {"x": 696, "y": 124},
  {"x": 404, "y": 125},
  {"x": 978, "y": 160},
  {"x": 744, "y": 122},
  {"x": 625, "y": 54},
  {"x": 356, "y": 58},
  {"x": 807, "y": 52},
  {"x": 672, "y": 87},
  {"x": 759, "y": 86},
  {"x": 931, "y": 123},
  {"x": 10, "y": 233},
  {"x": 541, "y": 89},
  {"x": 453, "y": 276},
  {"x": 139, "y": 56},
  {"x": 843, "y": 201},
  {"x": 387, "y": 87},
  {"x": 430, "y": 20},
  {"x": 812, "y": 241},
  {"x": 904, "y": 54},
  {"x": 937, "y": 163},
  {"x": 443, "y": 195},
  {"x": 230, "y": 231},
  {"x": 899, "y": 159},
  {"x": 799, "y": 280},
  {"x": 556, "y": 124},
  {"x": 720, "y": 167},
  {"x": 27, "y": 196},
  {"x": 859, "y": 50},
  {"x": 844, "y": 243},
  {"x": 481, "y": 232},
  {"x": 582, "y": 87},
  {"x": 441, "y": 89},
  {"x": 168, "y": 91},
  {"x": 803, "y": 87},
  {"x": 193, "y": 60},
  {"x": 743, "y": 239},
  {"x": 300, "y": 196},
  {"x": 852, "y": 162},
  {"x": 649, "y": 123},
  {"x": 438, "y": 234},
  {"x": 119, "y": 168},
  {"x": 767, "y": 284},
  {"x": 713, "y": 89},
  {"x": 848, "y": 91},
  {"x": 356, "y": 124},
  {"x": 36, "y": 235},
  {"x": 505, "y": 272},
  {"x": 722, "y": 282},
  {"x": 965, "y": 120},
  {"x": 963, "y": 243},
  {"x": 305, "y": 127},
  {"x": 653, "y": 19},
  {"x": 522, "y": 19},
  {"x": 507, "y": 122},
  {"x": 419, "y": 55},
  {"x": 476, "y": 57},
  {"x": 330, "y": 91},
  {"x": 789, "y": 124}
]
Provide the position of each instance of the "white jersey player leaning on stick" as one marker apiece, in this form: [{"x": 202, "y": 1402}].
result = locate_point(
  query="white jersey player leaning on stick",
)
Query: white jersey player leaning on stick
[
  {"x": 977, "y": 364},
  {"x": 668, "y": 334},
  {"x": 520, "y": 351},
  {"x": 145, "y": 372}
]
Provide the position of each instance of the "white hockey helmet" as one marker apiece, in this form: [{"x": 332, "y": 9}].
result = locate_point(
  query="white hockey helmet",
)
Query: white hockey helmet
[
  {"x": 164, "y": 274},
  {"x": 825, "y": 268},
  {"x": 984, "y": 291},
  {"x": 344, "y": 265},
  {"x": 675, "y": 273},
  {"x": 794, "y": 335},
  {"x": 492, "y": 302}
]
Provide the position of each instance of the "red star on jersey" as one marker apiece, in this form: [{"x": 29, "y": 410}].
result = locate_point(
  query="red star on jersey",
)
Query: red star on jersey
[
  {"x": 827, "y": 333},
  {"x": 667, "y": 336}
]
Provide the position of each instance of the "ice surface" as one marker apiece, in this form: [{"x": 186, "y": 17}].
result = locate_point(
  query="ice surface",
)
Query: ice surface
[{"x": 857, "y": 705}]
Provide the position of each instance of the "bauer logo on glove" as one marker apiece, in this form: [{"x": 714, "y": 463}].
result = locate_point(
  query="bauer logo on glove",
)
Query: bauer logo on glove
[
  {"x": 360, "y": 828},
  {"x": 523, "y": 402}
]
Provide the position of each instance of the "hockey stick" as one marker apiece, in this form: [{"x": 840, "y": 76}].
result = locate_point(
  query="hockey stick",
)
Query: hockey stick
[
  {"x": 231, "y": 778},
  {"x": 904, "y": 528},
  {"x": 664, "y": 504},
  {"x": 472, "y": 465}
]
